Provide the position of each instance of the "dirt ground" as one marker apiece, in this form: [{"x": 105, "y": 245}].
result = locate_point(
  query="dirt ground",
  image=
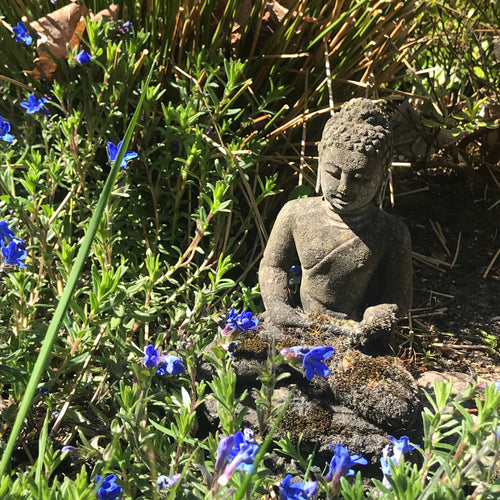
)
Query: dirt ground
[{"x": 455, "y": 229}]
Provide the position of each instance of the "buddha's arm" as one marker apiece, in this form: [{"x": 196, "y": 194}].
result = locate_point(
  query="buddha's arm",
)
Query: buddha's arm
[
  {"x": 279, "y": 256},
  {"x": 394, "y": 288}
]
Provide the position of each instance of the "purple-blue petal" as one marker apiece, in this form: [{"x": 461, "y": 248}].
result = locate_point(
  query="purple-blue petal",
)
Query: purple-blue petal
[
  {"x": 151, "y": 356},
  {"x": 83, "y": 57}
]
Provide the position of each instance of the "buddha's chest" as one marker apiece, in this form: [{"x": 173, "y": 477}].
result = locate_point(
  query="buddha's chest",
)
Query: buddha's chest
[{"x": 334, "y": 249}]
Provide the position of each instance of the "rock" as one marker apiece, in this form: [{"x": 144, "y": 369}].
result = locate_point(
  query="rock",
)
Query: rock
[{"x": 459, "y": 380}]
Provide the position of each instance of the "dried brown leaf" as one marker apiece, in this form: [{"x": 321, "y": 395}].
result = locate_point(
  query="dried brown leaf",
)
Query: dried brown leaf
[{"x": 57, "y": 29}]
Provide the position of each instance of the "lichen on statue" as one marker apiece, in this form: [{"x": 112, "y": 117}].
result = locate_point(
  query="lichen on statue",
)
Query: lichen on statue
[{"x": 355, "y": 259}]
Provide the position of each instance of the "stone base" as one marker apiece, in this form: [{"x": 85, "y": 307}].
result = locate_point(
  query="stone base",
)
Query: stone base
[{"x": 364, "y": 398}]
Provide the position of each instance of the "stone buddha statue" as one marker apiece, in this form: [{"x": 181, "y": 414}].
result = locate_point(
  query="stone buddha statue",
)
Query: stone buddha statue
[
  {"x": 356, "y": 281},
  {"x": 355, "y": 259}
]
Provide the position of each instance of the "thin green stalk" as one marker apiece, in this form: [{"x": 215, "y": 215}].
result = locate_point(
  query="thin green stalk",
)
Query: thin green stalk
[
  {"x": 62, "y": 306},
  {"x": 42, "y": 445}
]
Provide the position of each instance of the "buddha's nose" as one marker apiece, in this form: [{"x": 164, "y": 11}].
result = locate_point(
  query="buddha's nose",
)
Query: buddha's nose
[{"x": 343, "y": 185}]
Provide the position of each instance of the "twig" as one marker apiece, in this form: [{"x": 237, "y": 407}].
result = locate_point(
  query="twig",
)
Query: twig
[
  {"x": 430, "y": 261},
  {"x": 457, "y": 249},
  {"x": 413, "y": 191},
  {"x": 437, "y": 312},
  {"x": 439, "y": 233},
  {"x": 440, "y": 345},
  {"x": 491, "y": 264}
]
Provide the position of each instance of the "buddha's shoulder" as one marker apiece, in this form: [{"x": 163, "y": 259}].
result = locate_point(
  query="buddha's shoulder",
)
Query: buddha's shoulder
[
  {"x": 392, "y": 226},
  {"x": 303, "y": 206}
]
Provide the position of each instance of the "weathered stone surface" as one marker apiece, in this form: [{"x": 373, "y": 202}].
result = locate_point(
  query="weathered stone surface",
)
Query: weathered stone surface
[
  {"x": 459, "y": 380},
  {"x": 363, "y": 400},
  {"x": 354, "y": 263},
  {"x": 355, "y": 259}
]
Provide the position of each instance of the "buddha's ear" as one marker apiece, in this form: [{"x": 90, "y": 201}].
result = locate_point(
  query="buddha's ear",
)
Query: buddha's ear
[{"x": 318, "y": 172}]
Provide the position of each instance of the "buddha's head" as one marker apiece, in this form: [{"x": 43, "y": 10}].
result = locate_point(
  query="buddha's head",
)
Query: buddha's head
[{"x": 354, "y": 155}]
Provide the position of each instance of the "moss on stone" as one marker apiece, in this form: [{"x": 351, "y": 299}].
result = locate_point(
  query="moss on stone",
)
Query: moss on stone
[{"x": 317, "y": 421}]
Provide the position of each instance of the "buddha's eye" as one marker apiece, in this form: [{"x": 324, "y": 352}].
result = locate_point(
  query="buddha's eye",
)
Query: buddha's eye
[
  {"x": 360, "y": 177},
  {"x": 334, "y": 172}
]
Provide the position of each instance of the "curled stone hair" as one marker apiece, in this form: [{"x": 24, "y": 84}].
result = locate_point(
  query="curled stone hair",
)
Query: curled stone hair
[{"x": 359, "y": 126}]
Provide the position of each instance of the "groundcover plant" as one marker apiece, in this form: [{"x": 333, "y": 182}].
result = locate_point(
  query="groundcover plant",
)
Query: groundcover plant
[{"x": 135, "y": 178}]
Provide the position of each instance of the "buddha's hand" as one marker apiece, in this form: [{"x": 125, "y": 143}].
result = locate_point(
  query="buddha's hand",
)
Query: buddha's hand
[
  {"x": 379, "y": 319},
  {"x": 289, "y": 317},
  {"x": 340, "y": 325}
]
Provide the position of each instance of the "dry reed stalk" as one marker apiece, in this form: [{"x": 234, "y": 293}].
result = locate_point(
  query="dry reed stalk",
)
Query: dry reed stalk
[
  {"x": 491, "y": 264},
  {"x": 436, "y": 227},
  {"x": 430, "y": 261}
]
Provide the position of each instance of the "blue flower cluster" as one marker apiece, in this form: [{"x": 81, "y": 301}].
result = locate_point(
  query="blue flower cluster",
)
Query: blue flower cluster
[
  {"x": 342, "y": 462},
  {"x": 235, "y": 452},
  {"x": 311, "y": 359},
  {"x": 399, "y": 447},
  {"x": 107, "y": 487},
  {"x": 242, "y": 321},
  {"x": 34, "y": 105},
  {"x": 297, "y": 490},
  {"x": 37, "y": 105},
  {"x": 22, "y": 33},
  {"x": 5, "y": 134},
  {"x": 167, "y": 363},
  {"x": 13, "y": 248}
]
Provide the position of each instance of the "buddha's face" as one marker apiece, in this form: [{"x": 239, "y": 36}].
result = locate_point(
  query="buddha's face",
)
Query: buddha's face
[{"x": 350, "y": 180}]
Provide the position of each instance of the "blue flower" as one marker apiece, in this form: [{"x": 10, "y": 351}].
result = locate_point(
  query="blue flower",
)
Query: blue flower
[
  {"x": 165, "y": 482},
  {"x": 164, "y": 364},
  {"x": 295, "y": 352},
  {"x": 113, "y": 153},
  {"x": 224, "y": 447},
  {"x": 498, "y": 432},
  {"x": 22, "y": 33},
  {"x": 311, "y": 357},
  {"x": 4, "y": 131},
  {"x": 231, "y": 347},
  {"x": 342, "y": 462},
  {"x": 241, "y": 457},
  {"x": 68, "y": 449},
  {"x": 82, "y": 57},
  {"x": 294, "y": 278},
  {"x": 124, "y": 28},
  {"x": 297, "y": 490},
  {"x": 313, "y": 364},
  {"x": 151, "y": 357},
  {"x": 401, "y": 446},
  {"x": 5, "y": 232},
  {"x": 108, "y": 489},
  {"x": 14, "y": 252},
  {"x": 170, "y": 364},
  {"x": 34, "y": 105},
  {"x": 385, "y": 463},
  {"x": 243, "y": 321}
]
